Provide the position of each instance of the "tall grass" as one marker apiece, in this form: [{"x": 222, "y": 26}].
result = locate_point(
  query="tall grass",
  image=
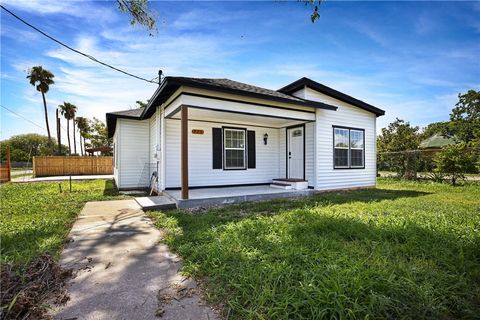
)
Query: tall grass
[
  {"x": 36, "y": 217},
  {"x": 405, "y": 250}
]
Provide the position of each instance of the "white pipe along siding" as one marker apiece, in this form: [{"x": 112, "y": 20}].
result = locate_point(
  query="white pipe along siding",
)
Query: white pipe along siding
[
  {"x": 133, "y": 153},
  {"x": 348, "y": 116}
]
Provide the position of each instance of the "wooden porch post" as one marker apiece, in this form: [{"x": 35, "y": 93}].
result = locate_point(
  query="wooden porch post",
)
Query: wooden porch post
[{"x": 184, "y": 150}]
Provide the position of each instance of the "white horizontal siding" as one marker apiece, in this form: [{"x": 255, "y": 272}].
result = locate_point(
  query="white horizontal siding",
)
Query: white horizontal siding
[
  {"x": 348, "y": 116},
  {"x": 200, "y": 157},
  {"x": 282, "y": 153},
  {"x": 133, "y": 153},
  {"x": 309, "y": 153}
]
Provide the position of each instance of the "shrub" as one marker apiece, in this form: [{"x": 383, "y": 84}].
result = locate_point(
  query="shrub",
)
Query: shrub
[{"x": 455, "y": 160}]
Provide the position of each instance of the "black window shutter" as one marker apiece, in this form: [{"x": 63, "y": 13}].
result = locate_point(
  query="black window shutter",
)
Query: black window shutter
[
  {"x": 217, "y": 150},
  {"x": 251, "y": 149}
]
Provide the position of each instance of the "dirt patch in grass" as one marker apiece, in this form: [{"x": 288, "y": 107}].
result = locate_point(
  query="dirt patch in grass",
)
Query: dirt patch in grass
[{"x": 25, "y": 288}]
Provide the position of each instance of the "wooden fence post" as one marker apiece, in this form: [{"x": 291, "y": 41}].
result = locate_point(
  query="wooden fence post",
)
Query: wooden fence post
[{"x": 8, "y": 164}]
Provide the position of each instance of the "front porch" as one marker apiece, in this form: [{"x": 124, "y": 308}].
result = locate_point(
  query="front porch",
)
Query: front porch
[
  {"x": 209, "y": 148},
  {"x": 207, "y": 197}
]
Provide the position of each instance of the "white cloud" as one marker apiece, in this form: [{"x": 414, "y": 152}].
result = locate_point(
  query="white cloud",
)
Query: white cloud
[{"x": 75, "y": 8}]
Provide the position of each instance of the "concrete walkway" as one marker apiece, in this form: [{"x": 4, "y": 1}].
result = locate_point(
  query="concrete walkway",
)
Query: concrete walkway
[{"x": 122, "y": 271}]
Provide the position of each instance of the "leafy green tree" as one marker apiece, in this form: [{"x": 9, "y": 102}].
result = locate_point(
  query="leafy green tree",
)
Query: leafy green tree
[
  {"x": 433, "y": 129},
  {"x": 98, "y": 135},
  {"x": 315, "y": 13},
  {"x": 398, "y": 136},
  {"x": 68, "y": 111},
  {"x": 140, "y": 13},
  {"x": 455, "y": 160},
  {"x": 465, "y": 118},
  {"x": 395, "y": 145},
  {"x": 84, "y": 129},
  {"x": 142, "y": 104},
  {"x": 24, "y": 146},
  {"x": 42, "y": 79}
]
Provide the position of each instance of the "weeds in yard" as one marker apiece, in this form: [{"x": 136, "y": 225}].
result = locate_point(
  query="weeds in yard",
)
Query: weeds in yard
[
  {"x": 36, "y": 219},
  {"x": 405, "y": 250}
]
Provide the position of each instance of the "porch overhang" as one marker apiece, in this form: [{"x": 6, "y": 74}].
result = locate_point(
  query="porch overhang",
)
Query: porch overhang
[
  {"x": 210, "y": 109},
  {"x": 231, "y": 114}
]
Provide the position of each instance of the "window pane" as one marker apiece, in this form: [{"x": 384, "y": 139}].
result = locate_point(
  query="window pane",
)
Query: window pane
[
  {"x": 341, "y": 138},
  {"x": 234, "y": 139},
  {"x": 356, "y": 158},
  {"x": 341, "y": 157},
  {"x": 356, "y": 139},
  {"x": 234, "y": 159}
]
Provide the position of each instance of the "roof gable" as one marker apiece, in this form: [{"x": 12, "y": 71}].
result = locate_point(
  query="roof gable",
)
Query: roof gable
[
  {"x": 171, "y": 84},
  {"x": 306, "y": 82},
  {"x": 125, "y": 114}
]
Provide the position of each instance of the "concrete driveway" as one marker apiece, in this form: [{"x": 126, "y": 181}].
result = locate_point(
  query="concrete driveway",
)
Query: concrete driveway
[{"x": 122, "y": 271}]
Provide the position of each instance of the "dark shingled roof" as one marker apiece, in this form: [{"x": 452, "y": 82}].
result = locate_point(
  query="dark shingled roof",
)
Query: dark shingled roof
[
  {"x": 306, "y": 82},
  {"x": 135, "y": 113},
  {"x": 170, "y": 84},
  {"x": 125, "y": 114},
  {"x": 231, "y": 84}
]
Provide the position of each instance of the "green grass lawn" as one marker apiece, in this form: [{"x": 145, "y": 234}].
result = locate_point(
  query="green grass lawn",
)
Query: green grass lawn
[
  {"x": 36, "y": 217},
  {"x": 407, "y": 250}
]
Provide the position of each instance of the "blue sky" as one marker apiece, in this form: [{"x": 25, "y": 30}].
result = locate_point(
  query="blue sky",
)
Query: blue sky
[{"x": 408, "y": 58}]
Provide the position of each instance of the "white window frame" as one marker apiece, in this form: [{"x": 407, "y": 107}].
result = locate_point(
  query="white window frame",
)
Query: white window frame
[
  {"x": 244, "y": 149},
  {"x": 341, "y": 148},
  {"x": 349, "y": 148}
]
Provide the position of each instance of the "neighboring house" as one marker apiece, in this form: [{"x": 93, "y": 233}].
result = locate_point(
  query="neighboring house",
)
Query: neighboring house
[
  {"x": 217, "y": 132},
  {"x": 437, "y": 141}
]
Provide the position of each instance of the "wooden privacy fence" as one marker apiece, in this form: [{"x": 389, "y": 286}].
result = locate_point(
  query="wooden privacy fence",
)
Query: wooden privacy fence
[
  {"x": 44, "y": 166},
  {"x": 5, "y": 168}
]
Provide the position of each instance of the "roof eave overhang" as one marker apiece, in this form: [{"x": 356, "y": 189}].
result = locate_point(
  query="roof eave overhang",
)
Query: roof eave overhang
[
  {"x": 301, "y": 83},
  {"x": 112, "y": 122},
  {"x": 171, "y": 84}
]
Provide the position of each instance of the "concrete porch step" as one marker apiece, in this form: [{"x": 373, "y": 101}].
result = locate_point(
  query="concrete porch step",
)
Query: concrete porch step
[
  {"x": 296, "y": 184},
  {"x": 160, "y": 202},
  {"x": 281, "y": 186}
]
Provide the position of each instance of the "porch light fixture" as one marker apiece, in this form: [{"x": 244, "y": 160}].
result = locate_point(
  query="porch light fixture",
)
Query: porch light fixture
[{"x": 265, "y": 138}]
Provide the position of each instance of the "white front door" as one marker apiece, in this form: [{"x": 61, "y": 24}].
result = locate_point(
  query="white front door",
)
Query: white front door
[{"x": 295, "y": 153}]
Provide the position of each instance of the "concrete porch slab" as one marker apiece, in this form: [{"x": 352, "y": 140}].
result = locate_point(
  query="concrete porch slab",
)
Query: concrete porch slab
[
  {"x": 206, "y": 197},
  {"x": 156, "y": 203}
]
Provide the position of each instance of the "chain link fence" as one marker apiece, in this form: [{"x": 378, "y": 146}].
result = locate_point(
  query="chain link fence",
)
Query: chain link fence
[{"x": 414, "y": 164}]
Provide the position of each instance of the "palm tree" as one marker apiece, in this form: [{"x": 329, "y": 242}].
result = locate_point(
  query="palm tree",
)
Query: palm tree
[
  {"x": 59, "y": 135},
  {"x": 74, "y": 133},
  {"x": 68, "y": 111},
  {"x": 83, "y": 128},
  {"x": 42, "y": 79}
]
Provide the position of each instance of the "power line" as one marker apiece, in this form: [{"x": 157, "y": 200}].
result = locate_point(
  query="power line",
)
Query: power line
[
  {"x": 75, "y": 50},
  {"x": 17, "y": 114}
]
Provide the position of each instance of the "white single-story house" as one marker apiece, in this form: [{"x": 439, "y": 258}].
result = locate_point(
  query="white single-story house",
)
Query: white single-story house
[{"x": 205, "y": 133}]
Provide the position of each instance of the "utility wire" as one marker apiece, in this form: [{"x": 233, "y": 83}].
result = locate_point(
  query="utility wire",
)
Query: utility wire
[
  {"x": 75, "y": 50},
  {"x": 17, "y": 114}
]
